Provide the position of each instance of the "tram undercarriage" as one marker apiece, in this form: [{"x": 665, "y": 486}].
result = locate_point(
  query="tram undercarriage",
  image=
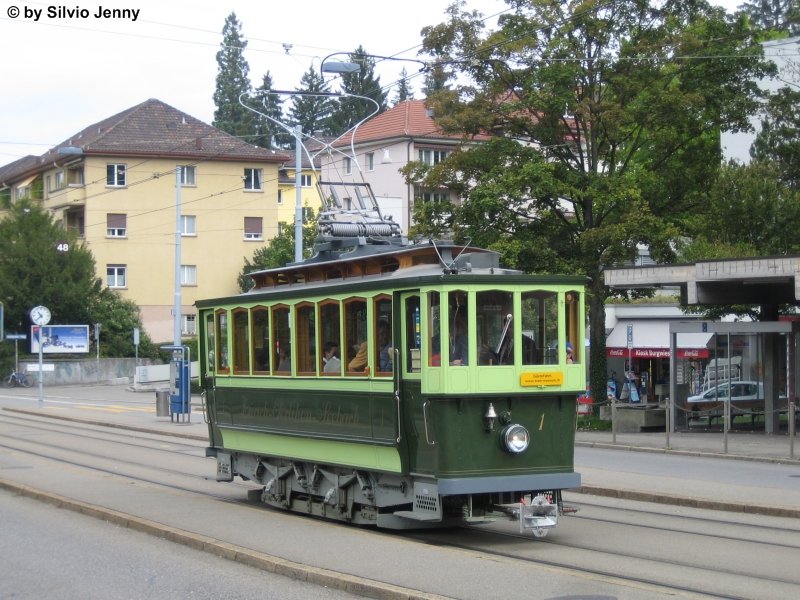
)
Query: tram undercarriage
[{"x": 382, "y": 499}]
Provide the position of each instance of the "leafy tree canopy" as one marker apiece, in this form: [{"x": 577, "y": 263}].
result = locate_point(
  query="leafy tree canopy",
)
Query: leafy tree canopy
[
  {"x": 311, "y": 111},
  {"x": 605, "y": 120},
  {"x": 41, "y": 263},
  {"x": 233, "y": 81}
]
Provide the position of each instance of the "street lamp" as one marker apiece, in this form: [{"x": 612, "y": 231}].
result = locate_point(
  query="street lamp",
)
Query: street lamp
[{"x": 347, "y": 67}]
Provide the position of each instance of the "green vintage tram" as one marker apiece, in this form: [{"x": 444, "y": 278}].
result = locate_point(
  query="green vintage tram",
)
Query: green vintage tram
[{"x": 397, "y": 384}]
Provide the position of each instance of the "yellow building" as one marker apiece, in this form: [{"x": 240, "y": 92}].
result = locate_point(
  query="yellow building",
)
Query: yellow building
[{"x": 115, "y": 183}]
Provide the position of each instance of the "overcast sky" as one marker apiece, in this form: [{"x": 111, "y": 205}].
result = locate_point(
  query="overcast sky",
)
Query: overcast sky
[{"x": 66, "y": 71}]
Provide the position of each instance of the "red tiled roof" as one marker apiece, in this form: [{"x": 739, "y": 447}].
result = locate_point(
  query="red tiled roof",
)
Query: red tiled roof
[{"x": 409, "y": 118}]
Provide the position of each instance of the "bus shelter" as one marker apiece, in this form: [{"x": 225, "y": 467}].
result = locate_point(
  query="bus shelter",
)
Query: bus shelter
[{"x": 773, "y": 378}]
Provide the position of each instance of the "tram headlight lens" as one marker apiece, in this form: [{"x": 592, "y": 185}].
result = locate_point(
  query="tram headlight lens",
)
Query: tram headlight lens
[{"x": 516, "y": 438}]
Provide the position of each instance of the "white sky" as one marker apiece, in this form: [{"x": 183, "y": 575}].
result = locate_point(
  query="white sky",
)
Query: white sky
[{"x": 63, "y": 73}]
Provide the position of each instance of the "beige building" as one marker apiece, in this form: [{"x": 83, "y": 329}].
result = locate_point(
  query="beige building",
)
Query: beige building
[{"x": 115, "y": 183}]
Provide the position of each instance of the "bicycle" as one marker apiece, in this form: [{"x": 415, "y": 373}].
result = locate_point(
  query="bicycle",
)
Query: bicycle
[{"x": 16, "y": 379}]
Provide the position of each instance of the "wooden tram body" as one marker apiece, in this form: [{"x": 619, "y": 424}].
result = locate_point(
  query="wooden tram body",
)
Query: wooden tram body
[{"x": 428, "y": 439}]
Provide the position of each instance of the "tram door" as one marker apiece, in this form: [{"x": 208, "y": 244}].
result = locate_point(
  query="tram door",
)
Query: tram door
[{"x": 416, "y": 426}]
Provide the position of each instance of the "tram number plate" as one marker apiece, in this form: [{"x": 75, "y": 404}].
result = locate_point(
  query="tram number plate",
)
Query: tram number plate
[{"x": 543, "y": 378}]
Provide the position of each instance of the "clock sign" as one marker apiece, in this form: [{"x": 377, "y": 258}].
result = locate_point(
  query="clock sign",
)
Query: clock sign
[{"x": 40, "y": 315}]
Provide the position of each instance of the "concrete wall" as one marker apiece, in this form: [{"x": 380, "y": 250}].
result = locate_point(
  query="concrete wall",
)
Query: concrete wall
[{"x": 83, "y": 371}]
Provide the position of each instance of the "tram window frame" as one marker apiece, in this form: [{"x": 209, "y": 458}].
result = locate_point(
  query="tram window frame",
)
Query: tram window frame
[
  {"x": 571, "y": 324},
  {"x": 434, "y": 310},
  {"x": 494, "y": 306},
  {"x": 458, "y": 313},
  {"x": 305, "y": 338},
  {"x": 221, "y": 332},
  {"x": 241, "y": 348},
  {"x": 211, "y": 346},
  {"x": 329, "y": 311},
  {"x": 382, "y": 315},
  {"x": 282, "y": 334},
  {"x": 412, "y": 333},
  {"x": 259, "y": 332},
  {"x": 356, "y": 334}
]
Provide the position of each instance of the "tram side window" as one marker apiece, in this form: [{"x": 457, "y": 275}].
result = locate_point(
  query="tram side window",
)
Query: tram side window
[
  {"x": 458, "y": 328},
  {"x": 384, "y": 347},
  {"x": 210, "y": 346},
  {"x": 435, "y": 330},
  {"x": 355, "y": 336},
  {"x": 572, "y": 308},
  {"x": 539, "y": 327},
  {"x": 222, "y": 338},
  {"x": 329, "y": 326},
  {"x": 281, "y": 343},
  {"x": 241, "y": 342},
  {"x": 259, "y": 317},
  {"x": 306, "y": 339},
  {"x": 495, "y": 318},
  {"x": 411, "y": 334}
]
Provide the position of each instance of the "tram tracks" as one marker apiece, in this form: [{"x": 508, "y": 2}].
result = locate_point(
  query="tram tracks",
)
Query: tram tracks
[{"x": 622, "y": 543}]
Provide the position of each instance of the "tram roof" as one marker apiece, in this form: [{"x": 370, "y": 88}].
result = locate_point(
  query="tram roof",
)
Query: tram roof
[{"x": 389, "y": 264}]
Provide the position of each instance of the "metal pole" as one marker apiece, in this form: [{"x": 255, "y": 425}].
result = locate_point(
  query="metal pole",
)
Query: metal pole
[
  {"x": 298, "y": 205},
  {"x": 792, "y": 417},
  {"x": 41, "y": 369},
  {"x": 726, "y": 421},
  {"x": 176, "y": 317}
]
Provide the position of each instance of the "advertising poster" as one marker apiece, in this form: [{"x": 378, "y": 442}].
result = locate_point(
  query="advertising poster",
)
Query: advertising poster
[{"x": 60, "y": 339}]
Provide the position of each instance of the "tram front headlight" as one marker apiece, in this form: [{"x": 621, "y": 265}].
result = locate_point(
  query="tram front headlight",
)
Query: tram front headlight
[{"x": 516, "y": 438}]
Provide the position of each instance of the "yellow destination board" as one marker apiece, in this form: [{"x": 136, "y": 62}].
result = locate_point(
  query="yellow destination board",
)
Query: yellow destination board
[{"x": 540, "y": 379}]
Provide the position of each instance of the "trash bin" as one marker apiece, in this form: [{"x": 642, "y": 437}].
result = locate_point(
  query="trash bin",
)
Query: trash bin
[{"x": 162, "y": 403}]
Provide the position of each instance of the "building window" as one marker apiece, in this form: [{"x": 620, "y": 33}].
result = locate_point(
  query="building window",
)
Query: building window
[
  {"x": 281, "y": 227},
  {"x": 188, "y": 274},
  {"x": 188, "y": 324},
  {"x": 116, "y": 276},
  {"x": 116, "y": 225},
  {"x": 431, "y": 157},
  {"x": 115, "y": 175},
  {"x": 253, "y": 228},
  {"x": 188, "y": 175},
  {"x": 59, "y": 181},
  {"x": 252, "y": 179},
  {"x": 432, "y": 196},
  {"x": 75, "y": 175},
  {"x": 348, "y": 165},
  {"x": 188, "y": 225},
  {"x": 370, "y": 161},
  {"x": 280, "y": 196},
  {"x": 305, "y": 181}
]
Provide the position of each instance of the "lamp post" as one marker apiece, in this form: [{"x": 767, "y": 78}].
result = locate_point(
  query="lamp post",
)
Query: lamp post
[{"x": 299, "y": 146}]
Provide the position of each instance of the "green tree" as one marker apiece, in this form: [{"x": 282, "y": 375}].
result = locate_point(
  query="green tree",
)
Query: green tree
[
  {"x": 364, "y": 82},
  {"x": 311, "y": 111},
  {"x": 778, "y": 15},
  {"x": 233, "y": 81},
  {"x": 779, "y": 138},
  {"x": 41, "y": 263},
  {"x": 404, "y": 89},
  {"x": 606, "y": 120},
  {"x": 268, "y": 133}
]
